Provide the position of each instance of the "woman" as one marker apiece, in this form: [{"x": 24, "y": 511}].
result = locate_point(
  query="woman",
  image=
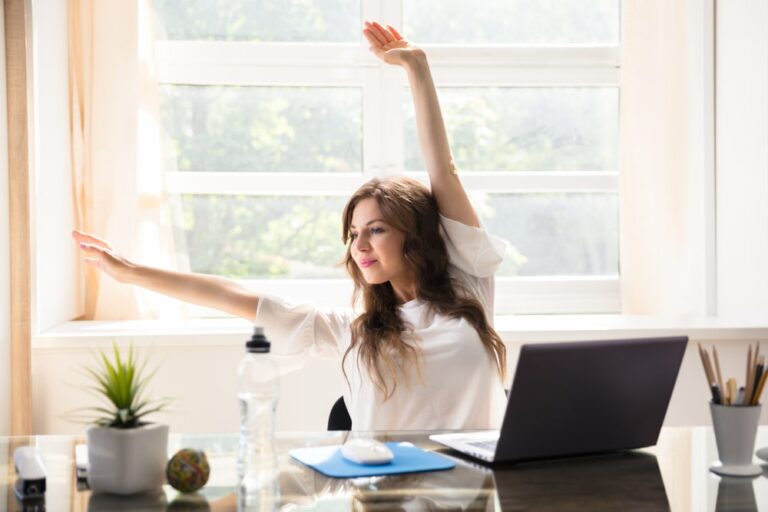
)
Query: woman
[{"x": 423, "y": 354}]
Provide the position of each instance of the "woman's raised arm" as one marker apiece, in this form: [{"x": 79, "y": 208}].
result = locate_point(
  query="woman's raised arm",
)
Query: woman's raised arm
[
  {"x": 388, "y": 45},
  {"x": 210, "y": 291}
]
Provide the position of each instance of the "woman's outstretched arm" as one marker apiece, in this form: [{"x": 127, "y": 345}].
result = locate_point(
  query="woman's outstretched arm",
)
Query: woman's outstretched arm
[
  {"x": 210, "y": 291},
  {"x": 388, "y": 45}
]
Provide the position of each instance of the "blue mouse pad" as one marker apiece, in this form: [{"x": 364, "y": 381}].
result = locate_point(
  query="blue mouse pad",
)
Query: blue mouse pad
[{"x": 408, "y": 459}]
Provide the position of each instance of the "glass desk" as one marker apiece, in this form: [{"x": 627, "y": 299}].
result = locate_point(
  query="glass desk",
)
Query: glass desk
[{"x": 673, "y": 475}]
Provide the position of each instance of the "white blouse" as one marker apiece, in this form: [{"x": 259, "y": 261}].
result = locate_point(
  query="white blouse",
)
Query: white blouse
[{"x": 457, "y": 385}]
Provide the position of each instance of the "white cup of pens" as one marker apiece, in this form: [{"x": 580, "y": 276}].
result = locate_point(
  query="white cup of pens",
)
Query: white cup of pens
[{"x": 735, "y": 412}]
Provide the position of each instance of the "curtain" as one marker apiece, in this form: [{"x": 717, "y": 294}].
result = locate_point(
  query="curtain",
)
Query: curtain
[
  {"x": 116, "y": 154},
  {"x": 661, "y": 186}
]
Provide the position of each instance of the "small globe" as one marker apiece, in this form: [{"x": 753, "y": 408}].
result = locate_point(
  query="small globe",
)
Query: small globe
[{"x": 188, "y": 470}]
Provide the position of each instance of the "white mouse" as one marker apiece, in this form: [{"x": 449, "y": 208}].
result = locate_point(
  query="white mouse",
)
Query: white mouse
[
  {"x": 366, "y": 451},
  {"x": 763, "y": 454}
]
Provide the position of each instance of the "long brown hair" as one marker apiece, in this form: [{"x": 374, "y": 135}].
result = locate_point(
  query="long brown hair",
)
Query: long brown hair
[{"x": 407, "y": 205}]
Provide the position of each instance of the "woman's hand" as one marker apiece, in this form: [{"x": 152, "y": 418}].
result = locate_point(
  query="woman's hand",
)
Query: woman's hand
[
  {"x": 100, "y": 254},
  {"x": 388, "y": 45}
]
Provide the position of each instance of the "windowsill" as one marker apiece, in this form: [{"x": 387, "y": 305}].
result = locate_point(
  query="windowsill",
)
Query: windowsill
[{"x": 512, "y": 328}]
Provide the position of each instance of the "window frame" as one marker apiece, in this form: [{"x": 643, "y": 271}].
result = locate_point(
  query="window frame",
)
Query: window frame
[{"x": 351, "y": 64}]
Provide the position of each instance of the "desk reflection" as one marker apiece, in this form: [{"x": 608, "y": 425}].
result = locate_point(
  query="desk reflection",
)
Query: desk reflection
[
  {"x": 736, "y": 493},
  {"x": 627, "y": 481},
  {"x": 623, "y": 482}
]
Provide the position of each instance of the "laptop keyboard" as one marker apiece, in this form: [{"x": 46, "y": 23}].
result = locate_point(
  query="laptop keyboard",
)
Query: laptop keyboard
[{"x": 486, "y": 445}]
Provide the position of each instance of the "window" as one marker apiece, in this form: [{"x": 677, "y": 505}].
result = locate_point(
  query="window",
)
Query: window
[{"x": 274, "y": 113}]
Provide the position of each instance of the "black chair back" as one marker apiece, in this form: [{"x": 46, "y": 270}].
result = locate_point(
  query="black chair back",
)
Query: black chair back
[{"x": 339, "y": 418}]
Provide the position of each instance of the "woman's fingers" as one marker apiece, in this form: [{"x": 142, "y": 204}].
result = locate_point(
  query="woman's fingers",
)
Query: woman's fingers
[
  {"x": 375, "y": 44},
  {"x": 395, "y": 33},
  {"x": 81, "y": 237},
  {"x": 91, "y": 251},
  {"x": 388, "y": 38},
  {"x": 370, "y": 31}
]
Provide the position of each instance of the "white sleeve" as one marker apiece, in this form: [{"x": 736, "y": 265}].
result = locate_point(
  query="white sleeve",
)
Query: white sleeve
[
  {"x": 299, "y": 331},
  {"x": 472, "y": 250}
]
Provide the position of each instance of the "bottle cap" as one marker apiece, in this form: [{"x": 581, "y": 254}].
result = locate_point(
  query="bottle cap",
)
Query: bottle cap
[{"x": 258, "y": 342}]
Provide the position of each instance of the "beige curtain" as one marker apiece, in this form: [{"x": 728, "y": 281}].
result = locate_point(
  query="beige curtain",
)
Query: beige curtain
[
  {"x": 118, "y": 183},
  {"x": 660, "y": 220}
]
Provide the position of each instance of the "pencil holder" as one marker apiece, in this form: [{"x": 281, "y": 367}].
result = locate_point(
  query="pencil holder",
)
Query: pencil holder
[{"x": 735, "y": 430}]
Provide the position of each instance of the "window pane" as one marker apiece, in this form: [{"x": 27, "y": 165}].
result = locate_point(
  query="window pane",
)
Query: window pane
[
  {"x": 273, "y": 129},
  {"x": 554, "y": 234},
  {"x": 262, "y": 20},
  {"x": 263, "y": 237},
  {"x": 525, "y": 129},
  {"x": 519, "y": 22},
  {"x": 300, "y": 237}
]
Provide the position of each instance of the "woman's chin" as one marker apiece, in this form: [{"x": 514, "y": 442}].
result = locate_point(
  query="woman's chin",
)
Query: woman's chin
[{"x": 372, "y": 280}]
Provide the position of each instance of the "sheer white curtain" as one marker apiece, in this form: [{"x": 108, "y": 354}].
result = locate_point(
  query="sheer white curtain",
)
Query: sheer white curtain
[
  {"x": 663, "y": 219},
  {"x": 116, "y": 160}
]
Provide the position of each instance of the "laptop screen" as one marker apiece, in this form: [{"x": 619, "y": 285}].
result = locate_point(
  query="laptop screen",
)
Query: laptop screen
[{"x": 589, "y": 397}]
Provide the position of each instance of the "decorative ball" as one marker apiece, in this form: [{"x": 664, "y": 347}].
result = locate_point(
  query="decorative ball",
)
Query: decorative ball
[{"x": 188, "y": 470}]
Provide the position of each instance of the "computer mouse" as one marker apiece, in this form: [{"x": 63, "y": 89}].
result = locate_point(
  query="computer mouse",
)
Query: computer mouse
[
  {"x": 763, "y": 454},
  {"x": 366, "y": 451}
]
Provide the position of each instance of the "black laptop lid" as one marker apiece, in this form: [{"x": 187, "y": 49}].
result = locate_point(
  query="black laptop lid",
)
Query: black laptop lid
[{"x": 578, "y": 398}]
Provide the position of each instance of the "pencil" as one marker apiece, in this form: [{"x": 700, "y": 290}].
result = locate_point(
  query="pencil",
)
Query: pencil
[
  {"x": 717, "y": 367},
  {"x": 755, "y": 376},
  {"x": 748, "y": 388},
  {"x": 756, "y": 398},
  {"x": 704, "y": 365},
  {"x": 711, "y": 375},
  {"x": 731, "y": 391},
  {"x": 760, "y": 369}
]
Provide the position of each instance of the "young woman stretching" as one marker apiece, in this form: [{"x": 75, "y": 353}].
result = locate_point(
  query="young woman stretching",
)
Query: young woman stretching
[{"x": 423, "y": 354}]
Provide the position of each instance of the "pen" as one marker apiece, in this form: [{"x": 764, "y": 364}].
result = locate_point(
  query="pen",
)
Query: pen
[
  {"x": 716, "y": 394},
  {"x": 758, "y": 375}
]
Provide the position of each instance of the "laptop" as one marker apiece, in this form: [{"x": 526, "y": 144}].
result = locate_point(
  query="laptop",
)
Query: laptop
[{"x": 580, "y": 398}]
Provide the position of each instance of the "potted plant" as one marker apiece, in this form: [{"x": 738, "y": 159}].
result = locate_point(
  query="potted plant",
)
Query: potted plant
[{"x": 126, "y": 454}]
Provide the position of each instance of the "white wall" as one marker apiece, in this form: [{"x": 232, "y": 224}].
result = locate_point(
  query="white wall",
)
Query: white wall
[
  {"x": 199, "y": 372},
  {"x": 200, "y": 379},
  {"x": 5, "y": 292},
  {"x": 742, "y": 158},
  {"x": 54, "y": 291}
]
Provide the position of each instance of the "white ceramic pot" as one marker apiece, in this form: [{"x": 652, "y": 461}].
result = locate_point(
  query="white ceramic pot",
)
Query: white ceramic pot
[{"x": 127, "y": 461}]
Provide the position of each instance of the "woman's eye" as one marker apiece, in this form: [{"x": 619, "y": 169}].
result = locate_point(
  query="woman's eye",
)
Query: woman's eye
[
  {"x": 353, "y": 236},
  {"x": 376, "y": 230}
]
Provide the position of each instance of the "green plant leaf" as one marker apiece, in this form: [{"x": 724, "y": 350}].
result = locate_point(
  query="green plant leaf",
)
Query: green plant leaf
[{"x": 121, "y": 382}]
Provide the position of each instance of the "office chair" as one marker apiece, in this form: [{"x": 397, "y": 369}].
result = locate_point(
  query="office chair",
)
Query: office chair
[{"x": 339, "y": 418}]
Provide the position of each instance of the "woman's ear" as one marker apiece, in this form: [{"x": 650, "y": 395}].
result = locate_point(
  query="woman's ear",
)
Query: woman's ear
[{"x": 408, "y": 247}]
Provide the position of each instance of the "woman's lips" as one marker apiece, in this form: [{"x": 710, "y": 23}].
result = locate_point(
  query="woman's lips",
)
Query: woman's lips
[{"x": 366, "y": 263}]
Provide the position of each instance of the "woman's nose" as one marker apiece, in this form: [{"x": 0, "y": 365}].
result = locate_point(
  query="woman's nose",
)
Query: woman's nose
[{"x": 361, "y": 244}]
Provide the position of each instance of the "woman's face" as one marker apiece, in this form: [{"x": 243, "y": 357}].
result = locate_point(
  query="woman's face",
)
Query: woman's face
[{"x": 377, "y": 247}]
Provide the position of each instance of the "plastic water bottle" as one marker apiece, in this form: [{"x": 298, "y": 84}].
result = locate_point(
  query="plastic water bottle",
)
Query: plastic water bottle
[{"x": 257, "y": 391}]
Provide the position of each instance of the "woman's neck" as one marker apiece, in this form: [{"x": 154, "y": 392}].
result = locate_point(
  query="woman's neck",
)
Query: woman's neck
[{"x": 405, "y": 289}]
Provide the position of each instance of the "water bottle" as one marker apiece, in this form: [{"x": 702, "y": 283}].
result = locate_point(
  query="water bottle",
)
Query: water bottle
[{"x": 257, "y": 391}]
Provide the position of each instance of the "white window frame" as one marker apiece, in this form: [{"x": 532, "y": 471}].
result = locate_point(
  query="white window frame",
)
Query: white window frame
[{"x": 351, "y": 64}]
